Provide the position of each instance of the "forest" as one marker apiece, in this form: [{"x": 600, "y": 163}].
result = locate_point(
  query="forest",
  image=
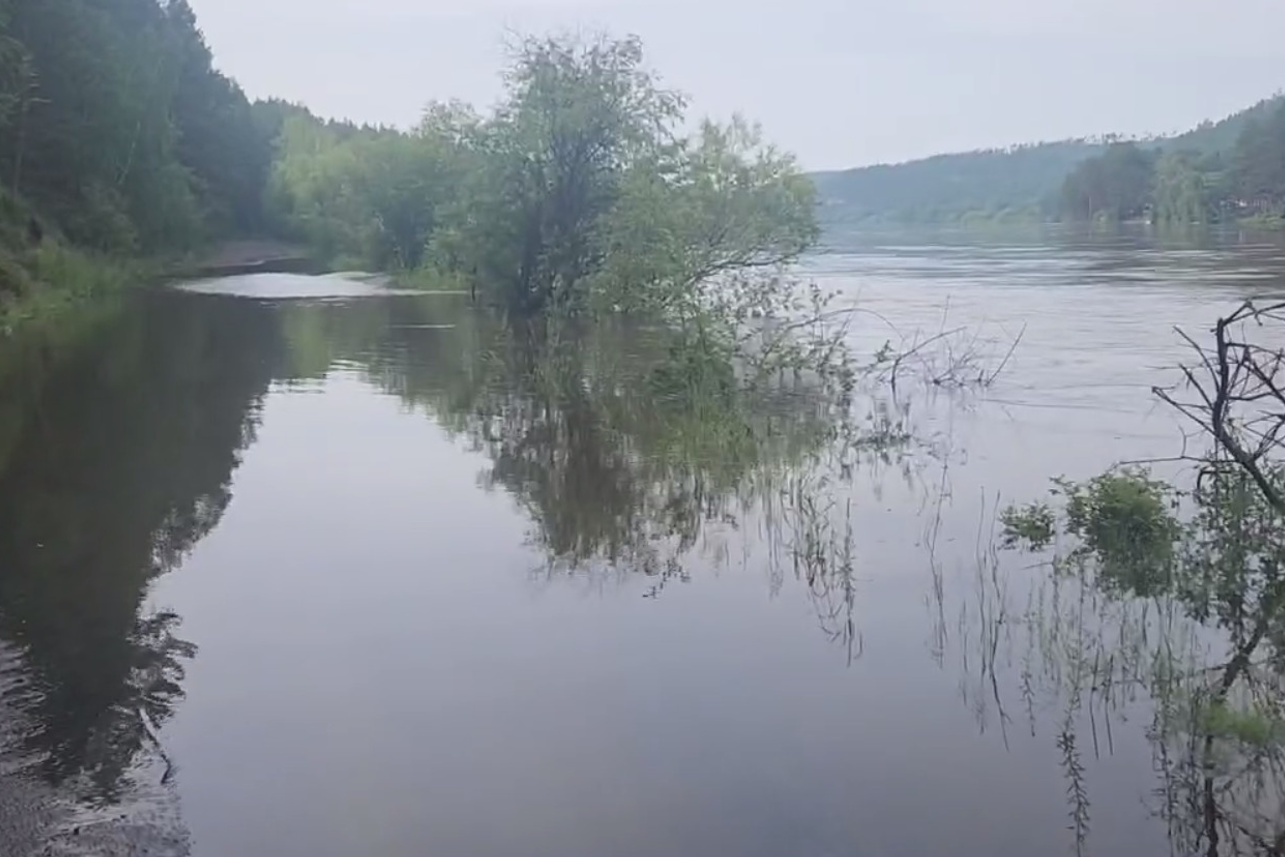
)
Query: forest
[
  {"x": 119, "y": 133},
  {"x": 123, "y": 146},
  {"x": 1185, "y": 184},
  {"x": 119, "y": 140},
  {"x": 582, "y": 190},
  {"x": 1217, "y": 171}
]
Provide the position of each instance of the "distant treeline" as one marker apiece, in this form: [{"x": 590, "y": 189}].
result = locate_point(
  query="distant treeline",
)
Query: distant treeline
[
  {"x": 1184, "y": 184},
  {"x": 1217, "y": 170}
]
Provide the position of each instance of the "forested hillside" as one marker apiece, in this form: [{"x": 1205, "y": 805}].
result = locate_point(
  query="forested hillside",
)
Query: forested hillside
[
  {"x": 118, "y": 130},
  {"x": 1021, "y": 182},
  {"x": 1229, "y": 171},
  {"x": 1071, "y": 179},
  {"x": 118, "y": 140}
]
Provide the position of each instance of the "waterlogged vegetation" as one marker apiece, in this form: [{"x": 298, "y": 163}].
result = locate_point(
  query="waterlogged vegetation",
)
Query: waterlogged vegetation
[
  {"x": 577, "y": 195},
  {"x": 613, "y": 515},
  {"x": 1185, "y": 185},
  {"x": 1176, "y": 590},
  {"x": 622, "y": 466},
  {"x": 661, "y": 513}
]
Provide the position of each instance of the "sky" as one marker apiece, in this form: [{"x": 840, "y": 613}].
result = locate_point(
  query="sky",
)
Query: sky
[{"x": 841, "y": 83}]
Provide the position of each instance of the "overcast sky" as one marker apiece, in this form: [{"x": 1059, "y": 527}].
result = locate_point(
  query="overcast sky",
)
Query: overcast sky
[{"x": 840, "y": 82}]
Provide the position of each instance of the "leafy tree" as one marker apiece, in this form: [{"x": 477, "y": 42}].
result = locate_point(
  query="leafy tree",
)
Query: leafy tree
[
  {"x": 1020, "y": 182},
  {"x": 576, "y": 119},
  {"x": 1182, "y": 191},
  {"x": 219, "y": 141},
  {"x": 1258, "y": 173},
  {"x": 576, "y": 195},
  {"x": 1115, "y": 185},
  {"x": 720, "y": 203}
]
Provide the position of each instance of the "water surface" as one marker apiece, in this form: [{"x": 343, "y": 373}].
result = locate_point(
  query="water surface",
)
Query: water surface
[{"x": 324, "y": 570}]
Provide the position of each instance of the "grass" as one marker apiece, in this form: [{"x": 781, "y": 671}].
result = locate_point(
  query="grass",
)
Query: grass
[
  {"x": 1255, "y": 725},
  {"x": 47, "y": 280},
  {"x": 431, "y": 280},
  {"x": 1262, "y": 221}
]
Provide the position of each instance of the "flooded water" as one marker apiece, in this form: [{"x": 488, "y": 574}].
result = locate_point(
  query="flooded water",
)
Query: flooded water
[{"x": 342, "y": 572}]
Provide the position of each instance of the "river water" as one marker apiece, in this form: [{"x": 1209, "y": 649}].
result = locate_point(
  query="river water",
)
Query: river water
[{"x": 345, "y": 573}]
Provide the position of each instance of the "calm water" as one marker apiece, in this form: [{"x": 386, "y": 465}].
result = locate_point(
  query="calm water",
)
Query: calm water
[{"x": 344, "y": 573}]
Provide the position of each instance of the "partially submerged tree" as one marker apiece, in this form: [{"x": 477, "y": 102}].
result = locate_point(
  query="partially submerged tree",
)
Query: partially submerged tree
[
  {"x": 579, "y": 195},
  {"x": 577, "y": 118}
]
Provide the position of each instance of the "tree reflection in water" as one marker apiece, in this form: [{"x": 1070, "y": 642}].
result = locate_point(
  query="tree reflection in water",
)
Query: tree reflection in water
[
  {"x": 117, "y": 448},
  {"x": 1165, "y": 608},
  {"x": 629, "y": 456}
]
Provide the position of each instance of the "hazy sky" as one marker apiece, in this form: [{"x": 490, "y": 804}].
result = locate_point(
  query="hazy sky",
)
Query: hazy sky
[{"x": 840, "y": 82}]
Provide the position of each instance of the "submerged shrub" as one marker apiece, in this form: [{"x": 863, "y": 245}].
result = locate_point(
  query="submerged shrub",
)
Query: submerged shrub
[
  {"x": 1032, "y": 527},
  {"x": 1125, "y": 523}
]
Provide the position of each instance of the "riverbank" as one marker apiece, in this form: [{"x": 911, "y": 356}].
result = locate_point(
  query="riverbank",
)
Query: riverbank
[
  {"x": 248, "y": 256},
  {"x": 39, "y": 281},
  {"x": 42, "y": 282}
]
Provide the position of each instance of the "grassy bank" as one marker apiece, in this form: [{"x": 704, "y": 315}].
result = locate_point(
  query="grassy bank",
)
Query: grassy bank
[
  {"x": 1262, "y": 222},
  {"x": 42, "y": 275},
  {"x": 41, "y": 282}
]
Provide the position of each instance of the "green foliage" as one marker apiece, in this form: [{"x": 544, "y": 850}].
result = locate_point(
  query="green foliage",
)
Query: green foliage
[
  {"x": 1221, "y": 136},
  {"x": 375, "y": 194},
  {"x": 578, "y": 117},
  {"x": 1257, "y": 726},
  {"x": 721, "y": 203},
  {"x": 1236, "y": 162},
  {"x": 1182, "y": 192},
  {"x": 1236, "y": 545},
  {"x": 1124, "y": 522},
  {"x": 1126, "y": 519},
  {"x": 1115, "y": 185},
  {"x": 40, "y": 278},
  {"x": 1033, "y": 526},
  {"x": 1236, "y": 176},
  {"x": 119, "y": 130},
  {"x": 576, "y": 195},
  {"x": 1258, "y": 174}
]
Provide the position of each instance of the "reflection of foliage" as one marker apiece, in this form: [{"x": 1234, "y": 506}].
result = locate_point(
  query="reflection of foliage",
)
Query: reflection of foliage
[
  {"x": 1076, "y": 792},
  {"x": 1142, "y": 583},
  {"x": 629, "y": 449},
  {"x": 1034, "y": 524},
  {"x": 612, "y": 458},
  {"x": 818, "y": 536},
  {"x": 96, "y": 744},
  {"x": 1185, "y": 602},
  {"x": 1124, "y": 521},
  {"x": 620, "y": 440},
  {"x": 121, "y": 446}
]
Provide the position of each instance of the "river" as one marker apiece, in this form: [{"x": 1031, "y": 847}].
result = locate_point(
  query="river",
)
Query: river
[{"x": 342, "y": 573}]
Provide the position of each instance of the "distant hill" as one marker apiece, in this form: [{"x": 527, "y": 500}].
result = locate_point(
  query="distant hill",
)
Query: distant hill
[
  {"x": 1017, "y": 183},
  {"x": 1209, "y": 136}
]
